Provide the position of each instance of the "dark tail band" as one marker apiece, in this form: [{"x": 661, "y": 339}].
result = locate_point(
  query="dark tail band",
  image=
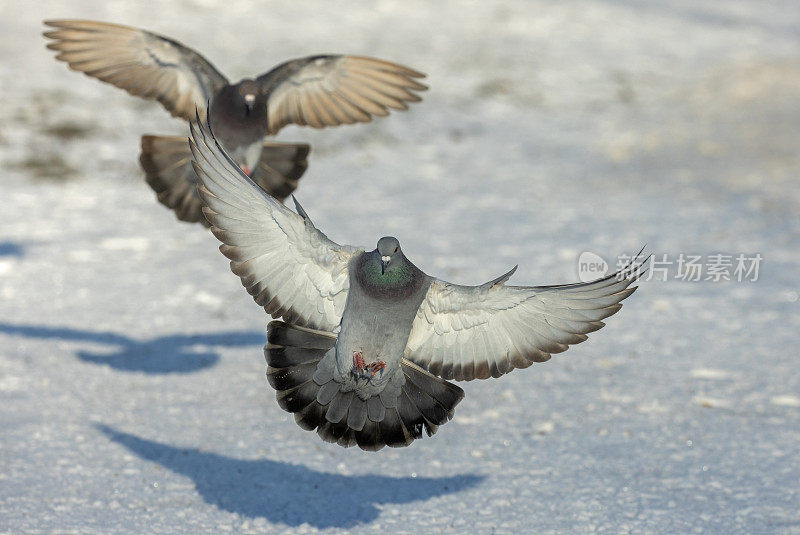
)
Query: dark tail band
[{"x": 305, "y": 387}]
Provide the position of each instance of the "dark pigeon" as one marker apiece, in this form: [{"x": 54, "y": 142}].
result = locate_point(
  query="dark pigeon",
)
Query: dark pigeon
[{"x": 318, "y": 91}]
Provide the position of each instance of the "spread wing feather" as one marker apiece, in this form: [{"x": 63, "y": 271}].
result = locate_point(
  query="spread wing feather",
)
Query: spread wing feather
[
  {"x": 330, "y": 90},
  {"x": 476, "y": 332},
  {"x": 289, "y": 267},
  {"x": 142, "y": 63}
]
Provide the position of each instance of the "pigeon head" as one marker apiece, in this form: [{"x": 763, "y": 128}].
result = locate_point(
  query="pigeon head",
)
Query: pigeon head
[
  {"x": 241, "y": 104},
  {"x": 386, "y": 273},
  {"x": 391, "y": 254},
  {"x": 249, "y": 91}
]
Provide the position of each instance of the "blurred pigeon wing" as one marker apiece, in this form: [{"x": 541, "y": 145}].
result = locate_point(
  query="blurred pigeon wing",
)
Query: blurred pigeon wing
[
  {"x": 324, "y": 91},
  {"x": 289, "y": 267},
  {"x": 144, "y": 64},
  {"x": 476, "y": 332},
  {"x": 165, "y": 160}
]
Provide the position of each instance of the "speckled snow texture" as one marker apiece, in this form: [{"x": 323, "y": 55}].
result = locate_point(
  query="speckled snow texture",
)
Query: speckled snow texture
[{"x": 132, "y": 388}]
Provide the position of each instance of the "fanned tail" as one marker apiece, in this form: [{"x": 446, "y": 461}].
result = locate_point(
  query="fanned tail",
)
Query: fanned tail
[
  {"x": 280, "y": 167},
  {"x": 166, "y": 163},
  {"x": 165, "y": 160},
  {"x": 303, "y": 378}
]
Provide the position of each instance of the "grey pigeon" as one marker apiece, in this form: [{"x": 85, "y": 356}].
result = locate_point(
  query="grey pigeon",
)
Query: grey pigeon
[
  {"x": 319, "y": 91},
  {"x": 367, "y": 339}
]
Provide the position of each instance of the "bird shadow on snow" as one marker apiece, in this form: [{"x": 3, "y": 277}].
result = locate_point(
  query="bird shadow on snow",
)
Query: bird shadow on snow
[
  {"x": 180, "y": 353},
  {"x": 286, "y": 493},
  {"x": 8, "y": 248}
]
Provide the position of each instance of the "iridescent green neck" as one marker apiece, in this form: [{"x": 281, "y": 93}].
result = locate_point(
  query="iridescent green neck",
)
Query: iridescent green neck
[
  {"x": 399, "y": 281},
  {"x": 397, "y": 275}
]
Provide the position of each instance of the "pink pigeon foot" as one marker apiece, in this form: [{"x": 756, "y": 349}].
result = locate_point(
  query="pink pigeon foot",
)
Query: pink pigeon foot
[
  {"x": 375, "y": 367},
  {"x": 358, "y": 362}
]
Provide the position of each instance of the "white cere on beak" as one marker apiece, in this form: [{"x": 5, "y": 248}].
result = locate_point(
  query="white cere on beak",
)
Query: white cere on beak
[
  {"x": 386, "y": 258},
  {"x": 250, "y": 98}
]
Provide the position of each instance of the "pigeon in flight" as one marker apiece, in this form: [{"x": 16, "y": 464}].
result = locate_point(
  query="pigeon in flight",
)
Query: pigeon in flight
[
  {"x": 368, "y": 340},
  {"x": 319, "y": 91}
]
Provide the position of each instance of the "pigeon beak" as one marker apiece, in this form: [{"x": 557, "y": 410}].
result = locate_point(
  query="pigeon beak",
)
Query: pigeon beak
[
  {"x": 249, "y": 102},
  {"x": 384, "y": 262}
]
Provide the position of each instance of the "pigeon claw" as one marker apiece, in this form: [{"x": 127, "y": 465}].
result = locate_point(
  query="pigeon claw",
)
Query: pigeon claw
[
  {"x": 363, "y": 371},
  {"x": 247, "y": 170},
  {"x": 375, "y": 367}
]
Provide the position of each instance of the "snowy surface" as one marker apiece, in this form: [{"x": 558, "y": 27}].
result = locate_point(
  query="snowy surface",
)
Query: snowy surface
[{"x": 132, "y": 389}]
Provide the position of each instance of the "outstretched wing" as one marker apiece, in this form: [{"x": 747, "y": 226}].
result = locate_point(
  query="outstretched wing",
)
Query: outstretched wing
[
  {"x": 144, "y": 64},
  {"x": 289, "y": 267},
  {"x": 326, "y": 90},
  {"x": 476, "y": 332}
]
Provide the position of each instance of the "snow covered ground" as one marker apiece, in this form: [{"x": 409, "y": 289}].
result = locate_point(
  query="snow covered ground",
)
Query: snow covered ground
[{"x": 132, "y": 389}]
